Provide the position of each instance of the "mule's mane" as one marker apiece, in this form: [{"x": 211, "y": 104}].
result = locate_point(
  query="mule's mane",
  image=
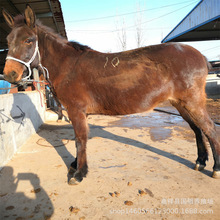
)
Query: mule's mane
[
  {"x": 78, "y": 46},
  {"x": 19, "y": 20}
]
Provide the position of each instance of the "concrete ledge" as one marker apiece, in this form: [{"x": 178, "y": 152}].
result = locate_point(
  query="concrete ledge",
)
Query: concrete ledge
[{"x": 21, "y": 114}]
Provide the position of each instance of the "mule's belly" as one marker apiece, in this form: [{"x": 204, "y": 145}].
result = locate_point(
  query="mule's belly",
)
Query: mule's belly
[{"x": 129, "y": 105}]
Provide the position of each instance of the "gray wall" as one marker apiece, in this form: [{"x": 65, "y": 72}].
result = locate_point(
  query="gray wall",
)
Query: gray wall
[
  {"x": 213, "y": 86},
  {"x": 21, "y": 115}
]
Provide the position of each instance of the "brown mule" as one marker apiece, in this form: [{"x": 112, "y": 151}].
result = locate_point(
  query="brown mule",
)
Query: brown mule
[{"x": 89, "y": 82}]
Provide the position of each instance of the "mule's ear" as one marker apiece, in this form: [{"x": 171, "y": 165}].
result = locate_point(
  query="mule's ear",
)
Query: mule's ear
[
  {"x": 8, "y": 18},
  {"x": 30, "y": 16}
]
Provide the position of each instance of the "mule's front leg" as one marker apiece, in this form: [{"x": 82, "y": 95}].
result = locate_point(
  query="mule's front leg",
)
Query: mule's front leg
[{"x": 79, "y": 167}]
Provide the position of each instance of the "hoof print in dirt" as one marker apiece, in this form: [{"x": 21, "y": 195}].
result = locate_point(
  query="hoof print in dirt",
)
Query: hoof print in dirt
[
  {"x": 142, "y": 192},
  {"x": 129, "y": 203},
  {"x": 74, "y": 209},
  {"x": 112, "y": 194},
  {"x": 115, "y": 194}
]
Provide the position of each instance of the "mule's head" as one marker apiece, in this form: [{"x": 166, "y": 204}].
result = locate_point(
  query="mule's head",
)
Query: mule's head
[{"x": 22, "y": 45}]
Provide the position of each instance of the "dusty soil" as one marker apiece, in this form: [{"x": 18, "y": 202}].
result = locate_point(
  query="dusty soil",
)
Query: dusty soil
[{"x": 140, "y": 167}]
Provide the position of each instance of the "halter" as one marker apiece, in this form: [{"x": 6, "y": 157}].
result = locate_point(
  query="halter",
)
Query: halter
[{"x": 28, "y": 64}]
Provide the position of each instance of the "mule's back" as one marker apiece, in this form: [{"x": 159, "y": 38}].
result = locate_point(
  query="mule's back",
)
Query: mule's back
[{"x": 137, "y": 80}]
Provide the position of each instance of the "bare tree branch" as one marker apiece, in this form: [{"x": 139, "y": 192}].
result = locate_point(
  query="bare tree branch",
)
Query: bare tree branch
[{"x": 122, "y": 35}]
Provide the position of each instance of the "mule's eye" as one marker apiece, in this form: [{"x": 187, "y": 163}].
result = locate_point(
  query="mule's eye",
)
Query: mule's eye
[{"x": 28, "y": 41}]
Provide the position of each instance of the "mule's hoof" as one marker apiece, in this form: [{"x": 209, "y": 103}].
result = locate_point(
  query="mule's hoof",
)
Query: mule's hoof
[
  {"x": 73, "y": 181},
  {"x": 216, "y": 174},
  {"x": 199, "y": 167}
]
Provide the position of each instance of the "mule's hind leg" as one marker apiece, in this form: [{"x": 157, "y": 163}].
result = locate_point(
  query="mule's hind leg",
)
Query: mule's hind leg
[
  {"x": 199, "y": 115},
  {"x": 200, "y": 138},
  {"x": 79, "y": 167}
]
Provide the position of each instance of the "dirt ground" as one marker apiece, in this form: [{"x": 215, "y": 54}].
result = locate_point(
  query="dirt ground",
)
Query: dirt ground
[{"x": 140, "y": 167}]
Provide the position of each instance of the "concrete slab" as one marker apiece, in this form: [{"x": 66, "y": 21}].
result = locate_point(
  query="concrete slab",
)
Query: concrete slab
[
  {"x": 21, "y": 114},
  {"x": 153, "y": 152}
]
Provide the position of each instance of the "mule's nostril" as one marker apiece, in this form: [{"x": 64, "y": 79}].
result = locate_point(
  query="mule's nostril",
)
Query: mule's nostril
[
  {"x": 14, "y": 74},
  {"x": 11, "y": 77}
]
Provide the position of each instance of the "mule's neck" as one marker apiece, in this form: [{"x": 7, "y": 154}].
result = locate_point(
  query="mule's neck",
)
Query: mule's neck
[{"x": 55, "y": 54}]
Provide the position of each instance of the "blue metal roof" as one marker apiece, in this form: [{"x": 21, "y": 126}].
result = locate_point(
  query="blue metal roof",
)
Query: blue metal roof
[{"x": 201, "y": 23}]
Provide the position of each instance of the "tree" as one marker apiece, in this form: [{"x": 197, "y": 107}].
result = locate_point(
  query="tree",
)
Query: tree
[
  {"x": 122, "y": 35},
  {"x": 138, "y": 23}
]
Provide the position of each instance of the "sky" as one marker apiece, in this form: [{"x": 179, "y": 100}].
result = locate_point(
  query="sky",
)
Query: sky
[{"x": 100, "y": 23}]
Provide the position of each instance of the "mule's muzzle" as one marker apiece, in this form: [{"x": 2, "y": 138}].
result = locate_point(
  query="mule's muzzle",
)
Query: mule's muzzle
[
  {"x": 13, "y": 71},
  {"x": 11, "y": 77}
]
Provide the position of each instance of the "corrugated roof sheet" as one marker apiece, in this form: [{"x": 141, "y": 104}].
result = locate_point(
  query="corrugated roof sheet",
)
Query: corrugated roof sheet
[{"x": 202, "y": 23}]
